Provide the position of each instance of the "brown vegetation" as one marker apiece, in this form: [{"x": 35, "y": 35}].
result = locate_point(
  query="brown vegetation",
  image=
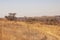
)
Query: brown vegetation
[
  {"x": 12, "y": 30},
  {"x": 30, "y": 28},
  {"x": 49, "y": 20}
]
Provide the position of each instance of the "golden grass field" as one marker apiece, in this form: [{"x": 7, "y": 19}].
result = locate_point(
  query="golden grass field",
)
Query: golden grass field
[{"x": 15, "y": 30}]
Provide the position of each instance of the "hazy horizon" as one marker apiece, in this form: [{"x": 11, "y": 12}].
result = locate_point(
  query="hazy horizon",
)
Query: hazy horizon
[{"x": 30, "y": 7}]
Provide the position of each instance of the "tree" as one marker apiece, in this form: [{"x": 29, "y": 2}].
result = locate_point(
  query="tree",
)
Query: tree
[{"x": 11, "y": 16}]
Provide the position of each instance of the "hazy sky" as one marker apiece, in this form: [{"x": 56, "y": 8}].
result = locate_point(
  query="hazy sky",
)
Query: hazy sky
[{"x": 30, "y": 7}]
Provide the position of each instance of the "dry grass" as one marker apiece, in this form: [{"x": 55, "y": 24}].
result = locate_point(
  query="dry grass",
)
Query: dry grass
[{"x": 12, "y": 30}]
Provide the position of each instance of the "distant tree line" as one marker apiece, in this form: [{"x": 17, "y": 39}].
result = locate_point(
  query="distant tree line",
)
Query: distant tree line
[{"x": 55, "y": 20}]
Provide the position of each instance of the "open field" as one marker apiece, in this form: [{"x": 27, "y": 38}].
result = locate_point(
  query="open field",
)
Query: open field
[{"x": 12, "y": 30}]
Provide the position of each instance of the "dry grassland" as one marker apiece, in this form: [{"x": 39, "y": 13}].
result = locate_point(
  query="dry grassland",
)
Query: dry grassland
[{"x": 11, "y": 30}]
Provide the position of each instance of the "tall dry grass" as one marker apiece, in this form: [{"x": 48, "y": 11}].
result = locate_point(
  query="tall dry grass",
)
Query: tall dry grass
[{"x": 15, "y": 30}]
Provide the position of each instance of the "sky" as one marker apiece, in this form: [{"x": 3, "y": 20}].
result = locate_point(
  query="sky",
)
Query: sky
[{"x": 30, "y": 7}]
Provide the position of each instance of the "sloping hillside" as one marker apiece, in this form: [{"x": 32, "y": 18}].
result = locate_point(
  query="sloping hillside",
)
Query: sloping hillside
[{"x": 12, "y": 30}]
